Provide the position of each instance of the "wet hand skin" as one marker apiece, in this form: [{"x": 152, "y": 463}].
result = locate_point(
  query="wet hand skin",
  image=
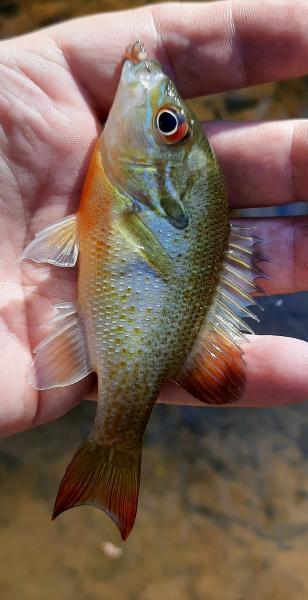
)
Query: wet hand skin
[{"x": 56, "y": 87}]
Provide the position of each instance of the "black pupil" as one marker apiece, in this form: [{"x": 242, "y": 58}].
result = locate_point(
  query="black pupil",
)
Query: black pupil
[{"x": 167, "y": 122}]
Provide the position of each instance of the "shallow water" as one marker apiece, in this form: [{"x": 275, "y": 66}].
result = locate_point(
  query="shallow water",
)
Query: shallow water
[{"x": 223, "y": 512}]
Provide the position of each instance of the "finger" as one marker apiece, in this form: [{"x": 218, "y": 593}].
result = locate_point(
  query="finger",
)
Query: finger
[
  {"x": 277, "y": 374},
  {"x": 54, "y": 403},
  {"x": 264, "y": 163},
  {"x": 284, "y": 241},
  {"x": 207, "y": 47}
]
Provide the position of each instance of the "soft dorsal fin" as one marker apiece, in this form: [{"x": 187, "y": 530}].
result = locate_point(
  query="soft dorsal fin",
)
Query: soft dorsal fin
[
  {"x": 57, "y": 244},
  {"x": 215, "y": 370}
]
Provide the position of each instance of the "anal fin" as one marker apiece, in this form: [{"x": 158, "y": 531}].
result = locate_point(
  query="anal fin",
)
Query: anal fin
[
  {"x": 62, "y": 358},
  {"x": 215, "y": 370},
  {"x": 57, "y": 244}
]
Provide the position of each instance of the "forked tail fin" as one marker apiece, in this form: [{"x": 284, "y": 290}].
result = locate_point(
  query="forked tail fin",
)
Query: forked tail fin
[{"x": 105, "y": 476}]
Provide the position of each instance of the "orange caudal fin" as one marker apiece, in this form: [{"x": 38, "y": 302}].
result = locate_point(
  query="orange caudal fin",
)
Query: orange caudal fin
[
  {"x": 215, "y": 370},
  {"x": 105, "y": 476}
]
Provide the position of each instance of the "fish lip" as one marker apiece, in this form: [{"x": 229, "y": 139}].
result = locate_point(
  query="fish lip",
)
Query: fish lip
[{"x": 146, "y": 72}]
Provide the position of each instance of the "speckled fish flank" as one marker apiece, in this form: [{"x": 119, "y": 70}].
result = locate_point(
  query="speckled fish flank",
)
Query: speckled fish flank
[{"x": 162, "y": 285}]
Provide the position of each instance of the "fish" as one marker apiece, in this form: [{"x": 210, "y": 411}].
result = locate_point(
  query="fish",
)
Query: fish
[{"x": 164, "y": 282}]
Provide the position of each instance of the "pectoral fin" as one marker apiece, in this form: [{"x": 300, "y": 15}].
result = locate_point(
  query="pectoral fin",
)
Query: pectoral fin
[
  {"x": 57, "y": 244},
  {"x": 175, "y": 212},
  {"x": 144, "y": 242}
]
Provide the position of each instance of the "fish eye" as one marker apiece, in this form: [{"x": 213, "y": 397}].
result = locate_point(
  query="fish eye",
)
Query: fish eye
[
  {"x": 171, "y": 125},
  {"x": 167, "y": 122}
]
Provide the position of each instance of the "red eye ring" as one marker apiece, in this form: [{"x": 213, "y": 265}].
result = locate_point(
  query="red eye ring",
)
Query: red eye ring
[
  {"x": 179, "y": 135},
  {"x": 171, "y": 125}
]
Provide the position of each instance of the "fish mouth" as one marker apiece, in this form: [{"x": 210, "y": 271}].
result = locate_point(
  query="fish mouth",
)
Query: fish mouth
[
  {"x": 136, "y": 52},
  {"x": 138, "y": 68}
]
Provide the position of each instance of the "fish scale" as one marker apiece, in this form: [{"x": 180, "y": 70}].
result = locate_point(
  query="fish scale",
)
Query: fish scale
[{"x": 179, "y": 305}]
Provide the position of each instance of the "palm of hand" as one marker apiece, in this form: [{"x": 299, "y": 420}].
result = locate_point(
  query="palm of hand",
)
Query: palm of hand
[
  {"x": 48, "y": 128},
  {"x": 53, "y": 85}
]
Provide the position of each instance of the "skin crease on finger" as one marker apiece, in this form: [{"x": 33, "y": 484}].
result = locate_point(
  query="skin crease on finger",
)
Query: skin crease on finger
[{"x": 69, "y": 75}]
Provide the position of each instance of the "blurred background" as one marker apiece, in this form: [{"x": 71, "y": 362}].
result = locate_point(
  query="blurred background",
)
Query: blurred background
[{"x": 223, "y": 512}]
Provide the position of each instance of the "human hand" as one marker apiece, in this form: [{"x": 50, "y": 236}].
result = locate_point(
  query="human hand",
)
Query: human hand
[{"x": 56, "y": 87}]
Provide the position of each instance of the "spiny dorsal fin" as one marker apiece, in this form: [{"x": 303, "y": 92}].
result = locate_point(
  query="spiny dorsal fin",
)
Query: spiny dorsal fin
[
  {"x": 214, "y": 371},
  {"x": 57, "y": 244}
]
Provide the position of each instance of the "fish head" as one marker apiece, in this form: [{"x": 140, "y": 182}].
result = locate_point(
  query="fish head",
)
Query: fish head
[{"x": 147, "y": 140}]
